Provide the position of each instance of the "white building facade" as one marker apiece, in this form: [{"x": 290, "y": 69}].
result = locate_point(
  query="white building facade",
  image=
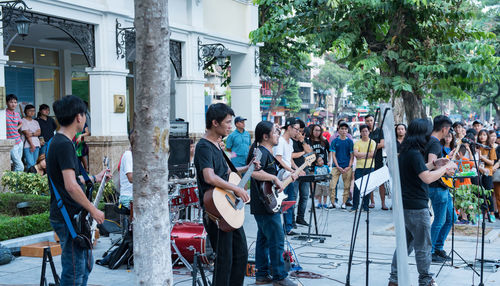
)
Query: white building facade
[{"x": 80, "y": 47}]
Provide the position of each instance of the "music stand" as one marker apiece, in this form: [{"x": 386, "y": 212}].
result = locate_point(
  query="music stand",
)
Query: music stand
[
  {"x": 308, "y": 236},
  {"x": 453, "y": 251}
]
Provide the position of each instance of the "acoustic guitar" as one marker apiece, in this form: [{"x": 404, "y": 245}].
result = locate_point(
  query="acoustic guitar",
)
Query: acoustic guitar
[
  {"x": 447, "y": 181},
  {"x": 274, "y": 197},
  {"x": 223, "y": 206}
]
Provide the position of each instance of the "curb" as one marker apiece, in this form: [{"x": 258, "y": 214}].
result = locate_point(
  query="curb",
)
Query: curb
[
  {"x": 30, "y": 239},
  {"x": 489, "y": 238}
]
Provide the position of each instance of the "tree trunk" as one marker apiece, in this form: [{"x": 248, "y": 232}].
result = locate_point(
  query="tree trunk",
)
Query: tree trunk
[
  {"x": 152, "y": 257},
  {"x": 399, "y": 109},
  {"x": 414, "y": 107},
  {"x": 336, "y": 106}
]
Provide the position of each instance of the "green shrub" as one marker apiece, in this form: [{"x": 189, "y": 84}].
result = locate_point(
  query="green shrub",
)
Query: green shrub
[
  {"x": 27, "y": 183},
  {"x": 24, "y": 225},
  {"x": 109, "y": 195},
  {"x": 9, "y": 201}
]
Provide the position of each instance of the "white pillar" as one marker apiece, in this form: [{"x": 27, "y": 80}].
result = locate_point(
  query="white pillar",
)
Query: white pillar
[
  {"x": 245, "y": 88},
  {"x": 189, "y": 90},
  {"x": 3, "y": 125}
]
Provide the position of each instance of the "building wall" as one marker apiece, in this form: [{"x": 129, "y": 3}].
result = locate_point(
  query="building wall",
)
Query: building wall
[{"x": 227, "y": 18}]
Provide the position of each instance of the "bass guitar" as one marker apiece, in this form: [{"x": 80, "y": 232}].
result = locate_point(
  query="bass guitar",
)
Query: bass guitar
[
  {"x": 274, "y": 197},
  {"x": 85, "y": 224},
  {"x": 223, "y": 206}
]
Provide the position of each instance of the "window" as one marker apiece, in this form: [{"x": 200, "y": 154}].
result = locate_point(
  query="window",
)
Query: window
[{"x": 79, "y": 77}]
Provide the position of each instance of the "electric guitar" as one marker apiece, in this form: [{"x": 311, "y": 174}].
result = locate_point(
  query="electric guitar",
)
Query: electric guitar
[
  {"x": 274, "y": 197},
  {"x": 85, "y": 224},
  {"x": 223, "y": 206}
]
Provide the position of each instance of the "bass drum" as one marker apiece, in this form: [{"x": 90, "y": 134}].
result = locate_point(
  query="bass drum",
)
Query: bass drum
[{"x": 191, "y": 238}]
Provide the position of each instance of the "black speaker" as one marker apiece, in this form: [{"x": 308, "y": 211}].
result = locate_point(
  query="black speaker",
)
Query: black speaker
[{"x": 178, "y": 159}]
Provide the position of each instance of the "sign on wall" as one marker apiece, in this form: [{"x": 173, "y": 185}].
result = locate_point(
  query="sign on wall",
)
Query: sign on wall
[{"x": 119, "y": 103}]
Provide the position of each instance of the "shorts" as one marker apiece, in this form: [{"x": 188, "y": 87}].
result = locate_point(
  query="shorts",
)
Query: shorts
[{"x": 322, "y": 190}]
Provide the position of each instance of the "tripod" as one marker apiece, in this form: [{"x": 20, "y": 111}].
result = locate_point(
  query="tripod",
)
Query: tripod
[
  {"x": 47, "y": 258},
  {"x": 453, "y": 251}
]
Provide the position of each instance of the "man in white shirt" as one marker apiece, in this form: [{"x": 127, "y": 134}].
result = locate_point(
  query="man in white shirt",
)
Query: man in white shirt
[
  {"x": 125, "y": 169},
  {"x": 283, "y": 153}
]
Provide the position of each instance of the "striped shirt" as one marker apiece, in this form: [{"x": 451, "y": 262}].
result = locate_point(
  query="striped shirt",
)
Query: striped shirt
[{"x": 13, "y": 120}]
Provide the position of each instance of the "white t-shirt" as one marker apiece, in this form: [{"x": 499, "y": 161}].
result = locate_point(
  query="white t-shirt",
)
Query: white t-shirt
[
  {"x": 285, "y": 150},
  {"x": 125, "y": 167}
]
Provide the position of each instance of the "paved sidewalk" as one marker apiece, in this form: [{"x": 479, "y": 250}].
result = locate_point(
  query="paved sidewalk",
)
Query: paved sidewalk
[{"x": 328, "y": 259}]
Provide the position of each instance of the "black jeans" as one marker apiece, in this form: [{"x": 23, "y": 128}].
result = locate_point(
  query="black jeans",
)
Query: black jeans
[
  {"x": 302, "y": 189},
  {"x": 231, "y": 254}
]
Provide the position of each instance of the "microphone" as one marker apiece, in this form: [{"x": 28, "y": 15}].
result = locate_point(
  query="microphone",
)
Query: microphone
[{"x": 468, "y": 141}]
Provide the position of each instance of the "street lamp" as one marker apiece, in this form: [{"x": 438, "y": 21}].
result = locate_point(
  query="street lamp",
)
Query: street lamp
[{"x": 22, "y": 23}]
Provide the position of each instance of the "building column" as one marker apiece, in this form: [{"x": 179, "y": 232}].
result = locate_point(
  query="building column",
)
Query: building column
[
  {"x": 245, "y": 88},
  {"x": 189, "y": 90},
  {"x": 107, "y": 78},
  {"x": 5, "y": 144}
]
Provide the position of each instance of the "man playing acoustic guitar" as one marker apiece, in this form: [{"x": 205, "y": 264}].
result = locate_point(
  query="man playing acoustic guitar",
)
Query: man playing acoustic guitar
[{"x": 212, "y": 171}]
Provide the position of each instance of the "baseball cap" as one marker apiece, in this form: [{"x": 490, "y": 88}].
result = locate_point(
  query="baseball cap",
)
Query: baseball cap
[
  {"x": 289, "y": 121},
  {"x": 239, "y": 119}
]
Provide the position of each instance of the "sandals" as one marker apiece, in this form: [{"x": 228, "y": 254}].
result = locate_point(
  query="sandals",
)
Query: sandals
[{"x": 371, "y": 206}]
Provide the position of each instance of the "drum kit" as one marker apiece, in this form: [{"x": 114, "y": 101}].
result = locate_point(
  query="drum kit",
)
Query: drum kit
[{"x": 188, "y": 235}]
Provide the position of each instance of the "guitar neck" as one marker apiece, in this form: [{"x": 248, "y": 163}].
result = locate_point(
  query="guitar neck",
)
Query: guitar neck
[
  {"x": 100, "y": 192},
  {"x": 289, "y": 179},
  {"x": 246, "y": 177}
]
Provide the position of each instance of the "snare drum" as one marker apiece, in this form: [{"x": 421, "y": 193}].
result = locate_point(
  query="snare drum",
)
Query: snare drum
[
  {"x": 189, "y": 196},
  {"x": 191, "y": 238}
]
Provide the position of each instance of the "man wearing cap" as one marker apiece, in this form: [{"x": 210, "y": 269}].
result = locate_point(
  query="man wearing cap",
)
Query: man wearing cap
[
  {"x": 477, "y": 125},
  {"x": 238, "y": 142}
]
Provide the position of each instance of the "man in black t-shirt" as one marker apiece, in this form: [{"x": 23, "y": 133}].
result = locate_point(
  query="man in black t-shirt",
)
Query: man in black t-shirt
[
  {"x": 378, "y": 136},
  {"x": 212, "y": 171},
  {"x": 63, "y": 171},
  {"x": 442, "y": 202},
  {"x": 415, "y": 175}
]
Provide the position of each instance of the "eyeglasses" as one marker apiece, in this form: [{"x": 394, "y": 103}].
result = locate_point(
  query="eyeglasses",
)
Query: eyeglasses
[{"x": 297, "y": 129}]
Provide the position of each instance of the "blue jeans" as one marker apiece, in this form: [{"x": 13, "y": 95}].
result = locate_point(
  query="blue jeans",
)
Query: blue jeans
[
  {"x": 43, "y": 149},
  {"x": 31, "y": 157},
  {"x": 76, "y": 262},
  {"x": 269, "y": 247},
  {"x": 444, "y": 216},
  {"x": 16, "y": 155},
  {"x": 357, "y": 192},
  {"x": 302, "y": 189},
  {"x": 288, "y": 215}
]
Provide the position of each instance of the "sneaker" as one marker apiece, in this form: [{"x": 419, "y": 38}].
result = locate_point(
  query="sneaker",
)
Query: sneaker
[
  {"x": 432, "y": 283},
  {"x": 284, "y": 282},
  {"x": 492, "y": 218},
  {"x": 264, "y": 280},
  {"x": 438, "y": 259},
  {"x": 301, "y": 221},
  {"x": 332, "y": 206},
  {"x": 291, "y": 233},
  {"x": 343, "y": 206},
  {"x": 348, "y": 203},
  {"x": 442, "y": 253}
]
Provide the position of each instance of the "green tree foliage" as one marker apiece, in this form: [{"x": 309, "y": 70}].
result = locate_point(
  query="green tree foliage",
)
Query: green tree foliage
[
  {"x": 406, "y": 48},
  {"x": 282, "y": 62},
  {"x": 334, "y": 78}
]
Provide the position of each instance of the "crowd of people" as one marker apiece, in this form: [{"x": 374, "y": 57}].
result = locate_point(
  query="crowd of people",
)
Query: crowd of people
[
  {"x": 428, "y": 152},
  {"x": 32, "y": 133}
]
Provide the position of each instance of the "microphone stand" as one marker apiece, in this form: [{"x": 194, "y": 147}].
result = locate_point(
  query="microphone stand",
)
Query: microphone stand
[
  {"x": 484, "y": 209},
  {"x": 358, "y": 217}
]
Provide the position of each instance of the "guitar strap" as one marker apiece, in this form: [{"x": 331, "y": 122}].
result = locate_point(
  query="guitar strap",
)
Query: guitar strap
[
  {"x": 60, "y": 203},
  {"x": 228, "y": 161}
]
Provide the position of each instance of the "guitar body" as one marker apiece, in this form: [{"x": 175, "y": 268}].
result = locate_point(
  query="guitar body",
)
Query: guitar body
[
  {"x": 272, "y": 198},
  {"x": 219, "y": 204}
]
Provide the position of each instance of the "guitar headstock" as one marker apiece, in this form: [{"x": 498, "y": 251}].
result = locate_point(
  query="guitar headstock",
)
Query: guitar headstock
[
  {"x": 257, "y": 154},
  {"x": 309, "y": 158},
  {"x": 105, "y": 162}
]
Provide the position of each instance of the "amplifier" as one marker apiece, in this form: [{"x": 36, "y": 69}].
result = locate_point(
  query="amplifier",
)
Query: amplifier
[
  {"x": 178, "y": 159},
  {"x": 179, "y": 129}
]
